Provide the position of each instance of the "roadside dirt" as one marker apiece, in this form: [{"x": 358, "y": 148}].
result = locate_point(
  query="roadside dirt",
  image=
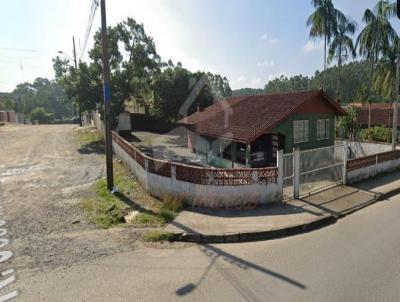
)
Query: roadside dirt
[{"x": 44, "y": 173}]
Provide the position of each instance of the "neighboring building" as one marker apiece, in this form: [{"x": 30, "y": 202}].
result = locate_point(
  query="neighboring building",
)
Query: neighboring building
[
  {"x": 249, "y": 130},
  {"x": 381, "y": 114},
  {"x": 132, "y": 105},
  {"x": 7, "y": 116}
]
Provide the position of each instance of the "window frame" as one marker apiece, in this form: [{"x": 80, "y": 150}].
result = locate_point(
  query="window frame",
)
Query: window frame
[
  {"x": 301, "y": 131},
  {"x": 323, "y": 129}
]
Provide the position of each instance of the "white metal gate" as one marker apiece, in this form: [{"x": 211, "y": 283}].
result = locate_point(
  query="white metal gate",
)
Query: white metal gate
[
  {"x": 288, "y": 176},
  {"x": 308, "y": 171}
]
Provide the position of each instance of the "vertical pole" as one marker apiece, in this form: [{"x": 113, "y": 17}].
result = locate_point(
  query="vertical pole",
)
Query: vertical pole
[
  {"x": 279, "y": 163},
  {"x": 107, "y": 96},
  {"x": 394, "y": 132},
  {"x": 296, "y": 170},
  {"x": 248, "y": 155},
  {"x": 74, "y": 49},
  {"x": 344, "y": 163},
  {"x": 76, "y": 70}
]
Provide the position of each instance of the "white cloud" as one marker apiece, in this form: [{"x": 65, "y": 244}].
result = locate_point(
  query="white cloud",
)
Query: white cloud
[
  {"x": 311, "y": 47},
  {"x": 241, "y": 79},
  {"x": 266, "y": 64},
  {"x": 274, "y": 41},
  {"x": 270, "y": 40}
]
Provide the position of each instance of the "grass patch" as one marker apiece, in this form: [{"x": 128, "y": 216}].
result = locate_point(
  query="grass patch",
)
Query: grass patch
[
  {"x": 171, "y": 203},
  {"x": 156, "y": 236},
  {"x": 159, "y": 219},
  {"x": 105, "y": 209},
  {"x": 88, "y": 136}
]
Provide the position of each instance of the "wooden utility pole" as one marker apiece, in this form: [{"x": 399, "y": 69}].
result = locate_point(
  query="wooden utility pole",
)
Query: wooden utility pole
[
  {"x": 76, "y": 71},
  {"x": 107, "y": 97}
]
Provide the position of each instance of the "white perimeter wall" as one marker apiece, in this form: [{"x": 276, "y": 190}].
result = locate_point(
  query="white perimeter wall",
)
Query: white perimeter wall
[
  {"x": 201, "y": 195},
  {"x": 371, "y": 171}
]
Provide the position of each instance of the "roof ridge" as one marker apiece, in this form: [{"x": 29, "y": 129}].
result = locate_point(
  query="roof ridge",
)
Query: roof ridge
[{"x": 275, "y": 93}]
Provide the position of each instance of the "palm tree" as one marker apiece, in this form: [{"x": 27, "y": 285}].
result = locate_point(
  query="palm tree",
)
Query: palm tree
[
  {"x": 385, "y": 80},
  {"x": 376, "y": 38},
  {"x": 342, "y": 46},
  {"x": 323, "y": 22}
]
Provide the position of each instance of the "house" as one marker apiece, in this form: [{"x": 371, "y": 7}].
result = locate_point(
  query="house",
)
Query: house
[
  {"x": 381, "y": 114},
  {"x": 248, "y": 130},
  {"x": 133, "y": 105}
]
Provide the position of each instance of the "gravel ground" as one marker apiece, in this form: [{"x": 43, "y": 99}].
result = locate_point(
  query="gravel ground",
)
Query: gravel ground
[{"x": 44, "y": 173}]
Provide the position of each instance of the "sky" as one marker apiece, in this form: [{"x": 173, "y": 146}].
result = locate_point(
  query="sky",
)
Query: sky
[{"x": 248, "y": 41}]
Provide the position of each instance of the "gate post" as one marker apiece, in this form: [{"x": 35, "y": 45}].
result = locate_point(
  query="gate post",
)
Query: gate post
[
  {"x": 344, "y": 163},
  {"x": 279, "y": 163},
  {"x": 296, "y": 172}
]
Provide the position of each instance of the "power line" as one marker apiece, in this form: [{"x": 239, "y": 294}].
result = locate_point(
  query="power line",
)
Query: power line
[
  {"x": 19, "y": 49},
  {"x": 92, "y": 14}
]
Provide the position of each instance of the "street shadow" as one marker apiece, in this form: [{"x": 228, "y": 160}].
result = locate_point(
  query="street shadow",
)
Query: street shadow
[
  {"x": 327, "y": 204},
  {"x": 214, "y": 253},
  {"x": 95, "y": 147},
  {"x": 255, "y": 210},
  {"x": 133, "y": 205},
  {"x": 382, "y": 180}
]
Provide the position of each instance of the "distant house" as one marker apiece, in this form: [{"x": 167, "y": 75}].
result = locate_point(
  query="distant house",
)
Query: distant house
[
  {"x": 248, "y": 130},
  {"x": 381, "y": 114},
  {"x": 132, "y": 105},
  {"x": 7, "y": 116}
]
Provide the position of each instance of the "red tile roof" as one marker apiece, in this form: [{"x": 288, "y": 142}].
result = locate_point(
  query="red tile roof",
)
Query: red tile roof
[{"x": 245, "y": 118}]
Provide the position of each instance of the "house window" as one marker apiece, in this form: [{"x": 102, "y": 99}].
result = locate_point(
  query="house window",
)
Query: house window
[
  {"x": 322, "y": 129},
  {"x": 300, "y": 131}
]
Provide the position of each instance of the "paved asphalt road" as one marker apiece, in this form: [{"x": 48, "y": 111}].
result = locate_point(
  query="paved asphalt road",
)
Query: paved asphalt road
[{"x": 356, "y": 259}]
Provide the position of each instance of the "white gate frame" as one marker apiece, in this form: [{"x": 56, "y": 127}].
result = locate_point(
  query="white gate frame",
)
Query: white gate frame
[{"x": 297, "y": 173}]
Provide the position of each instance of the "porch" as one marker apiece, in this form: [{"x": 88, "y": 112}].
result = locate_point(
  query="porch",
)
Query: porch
[{"x": 224, "y": 153}]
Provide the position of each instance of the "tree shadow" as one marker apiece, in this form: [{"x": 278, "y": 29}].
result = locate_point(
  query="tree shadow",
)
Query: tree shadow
[
  {"x": 95, "y": 147},
  {"x": 214, "y": 253},
  {"x": 133, "y": 205}
]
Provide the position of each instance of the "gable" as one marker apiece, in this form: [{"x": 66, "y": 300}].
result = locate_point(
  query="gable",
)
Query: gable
[{"x": 317, "y": 105}]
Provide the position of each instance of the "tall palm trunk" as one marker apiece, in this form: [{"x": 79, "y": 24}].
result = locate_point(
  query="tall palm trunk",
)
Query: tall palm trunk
[
  {"x": 338, "y": 94},
  {"x": 370, "y": 98},
  {"x": 325, "y": 45}
]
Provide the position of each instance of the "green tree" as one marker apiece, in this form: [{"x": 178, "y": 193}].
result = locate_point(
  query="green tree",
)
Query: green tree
[
  {"x": 41, "y": 116},
  {"x": 323, "y": 22},
  {"x": 348, "y": 123},
  {"x": 342, "y": 47},
  {"x": 173, "y": 86},
  {"x": 375, "y": 39}
]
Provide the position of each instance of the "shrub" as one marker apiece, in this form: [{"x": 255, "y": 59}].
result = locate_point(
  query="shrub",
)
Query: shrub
[
  {"x": 42, "y": 116},
  {"x": 171, "y": 203},
  {"x": 377, "y": 134},
  {"x": 166, "y": 215}
]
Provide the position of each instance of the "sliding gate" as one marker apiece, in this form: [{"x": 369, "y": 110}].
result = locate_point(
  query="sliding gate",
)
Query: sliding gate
[{"x": 308, "y": 171}]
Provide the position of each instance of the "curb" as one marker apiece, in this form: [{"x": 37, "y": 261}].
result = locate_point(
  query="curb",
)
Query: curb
[
  {"x": 277, "y": 233},
  {"x": 254, "y": 236},
  {"x": 386, "y": 195}
]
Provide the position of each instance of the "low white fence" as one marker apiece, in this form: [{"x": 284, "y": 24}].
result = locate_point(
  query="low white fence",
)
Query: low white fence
[
  {"x": 369, "y": 166},
  {"x": 198, "y": 186}
]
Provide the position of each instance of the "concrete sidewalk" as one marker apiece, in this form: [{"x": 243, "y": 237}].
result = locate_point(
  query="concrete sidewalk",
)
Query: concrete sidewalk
[{"x": 281, "y": 219}]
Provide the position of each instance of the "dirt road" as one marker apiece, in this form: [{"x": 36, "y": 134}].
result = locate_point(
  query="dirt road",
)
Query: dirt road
[{"x": 44, "y": 173}]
